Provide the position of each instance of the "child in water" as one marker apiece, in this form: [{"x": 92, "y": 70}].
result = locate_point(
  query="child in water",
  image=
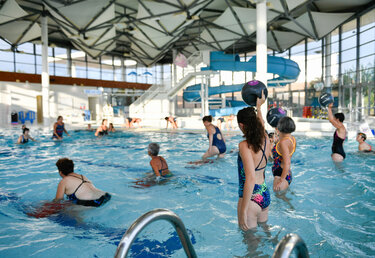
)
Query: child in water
[
  {"x": 158, "y": 163},
  {"x": 282, "y": 154}
]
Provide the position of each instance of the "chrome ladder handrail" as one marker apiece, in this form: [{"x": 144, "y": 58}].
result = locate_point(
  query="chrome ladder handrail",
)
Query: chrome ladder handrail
[
  {"x": 285, "y": 247},
  {"x": 151, "y": 216}
]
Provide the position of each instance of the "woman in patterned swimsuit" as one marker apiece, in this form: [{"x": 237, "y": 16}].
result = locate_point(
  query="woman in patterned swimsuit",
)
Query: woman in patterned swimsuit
[{"x": 254, "y": 196}]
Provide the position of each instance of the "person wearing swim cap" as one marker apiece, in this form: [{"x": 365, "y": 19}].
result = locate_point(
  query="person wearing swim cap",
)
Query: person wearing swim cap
[
  {"x": 216, "y": 140},
  {"x": 59, "y": 129},
  {"x": 77, "y": 187},
  {"x": 339, "y": 136},
  {"x": 363, "y": 146},
  {"x": 254, "y": 196},
  {"x": 282, "y": 153}
]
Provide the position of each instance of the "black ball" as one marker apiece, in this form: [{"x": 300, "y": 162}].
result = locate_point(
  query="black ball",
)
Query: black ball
[
  {"x": 252, "y": 90},
  {"x": 274, "y": 115},
  {"x": 325, "y": 99}
]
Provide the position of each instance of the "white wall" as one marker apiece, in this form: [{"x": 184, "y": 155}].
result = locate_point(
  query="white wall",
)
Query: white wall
[{"x": 65, "y": 100}]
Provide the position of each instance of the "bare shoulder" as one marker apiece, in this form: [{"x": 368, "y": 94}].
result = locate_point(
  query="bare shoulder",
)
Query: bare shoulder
[{"x": 243, "y": 145}]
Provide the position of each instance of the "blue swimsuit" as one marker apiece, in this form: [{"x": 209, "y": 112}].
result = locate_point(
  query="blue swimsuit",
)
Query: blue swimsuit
[
  {"x": 220, "y": 144},
  {"x": 95, "y": 203},
  {"x": 24, "y": 140},
  {"x": 261, "y": 194},
  {"x": 59, "y": 131}
]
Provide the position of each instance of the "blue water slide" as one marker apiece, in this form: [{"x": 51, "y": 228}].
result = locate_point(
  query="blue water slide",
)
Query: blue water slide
[
  {"x": 286, "y": 69},
  {"x": 192, "y": 93}
]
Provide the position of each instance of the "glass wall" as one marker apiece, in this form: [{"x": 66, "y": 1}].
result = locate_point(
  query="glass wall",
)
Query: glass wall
[{"x": 27, "y": 58}]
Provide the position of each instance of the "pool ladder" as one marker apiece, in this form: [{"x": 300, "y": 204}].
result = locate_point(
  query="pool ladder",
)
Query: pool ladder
[
  {"x": 151, "y": 216},
  {"x": 283, "y": 249}
]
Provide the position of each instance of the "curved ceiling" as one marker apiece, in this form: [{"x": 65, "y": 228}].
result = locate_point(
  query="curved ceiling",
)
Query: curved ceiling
[{"x": 147, "y": 30}]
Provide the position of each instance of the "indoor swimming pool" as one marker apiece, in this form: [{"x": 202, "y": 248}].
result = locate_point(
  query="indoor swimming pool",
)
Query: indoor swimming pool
[{"x": 332, "y": 208}]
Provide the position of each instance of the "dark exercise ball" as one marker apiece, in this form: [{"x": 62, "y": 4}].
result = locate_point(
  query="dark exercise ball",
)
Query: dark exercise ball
[
  {"x": 325, "y": 99},
  {"x": 252, "y": 90},
  {"x": 274, "y": 115}
]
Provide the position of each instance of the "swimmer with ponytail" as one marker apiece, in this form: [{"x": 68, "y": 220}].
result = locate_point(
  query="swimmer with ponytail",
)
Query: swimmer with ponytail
[{"x": 254, "y": 196}]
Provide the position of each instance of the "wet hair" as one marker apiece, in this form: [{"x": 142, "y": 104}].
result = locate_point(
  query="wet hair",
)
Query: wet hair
[
  {"x": 65, "y": 166},
  {"x": 103, "y": 121},
  {"x": 166, "y": 118},
  {"x": 58, "y": 118},
  {"x": 153, "y": 148},
  {"x": 363, "y": 136},
  {"x": 207, "y": 119},
  {"x": 25, "y": 129},
  {"x": 340, "y": 117},
  {"x": 252, "y": 127},
  {"x": 111, "y": 125},
  {"x": 286, "y": 125}
]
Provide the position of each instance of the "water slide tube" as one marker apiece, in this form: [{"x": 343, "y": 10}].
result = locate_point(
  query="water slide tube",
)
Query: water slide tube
[{"x": 285, "y": 68}]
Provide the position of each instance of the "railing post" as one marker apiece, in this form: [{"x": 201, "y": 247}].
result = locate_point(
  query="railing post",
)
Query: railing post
[
  {"x": 147, "y": 218},
  {"x": 285, "y": 247}
]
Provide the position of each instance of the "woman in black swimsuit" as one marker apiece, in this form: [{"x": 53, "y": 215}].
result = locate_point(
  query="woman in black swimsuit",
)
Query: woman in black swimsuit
[
  {"x": 103, "y": 129},
  {"x": 77, "y": 187},
  {"x": 338, "y": 153},
  {"x": 158, "y": 163}
]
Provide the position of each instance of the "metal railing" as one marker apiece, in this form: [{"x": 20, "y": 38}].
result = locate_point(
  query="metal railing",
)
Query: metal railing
[
  {"x": 285, "y": 247},
  {"x": 151, "y": 216}
]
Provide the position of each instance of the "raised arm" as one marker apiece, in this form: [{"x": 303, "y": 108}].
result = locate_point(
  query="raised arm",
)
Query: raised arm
[
  {"x": 331, "y": 118},
  {"x": 260, "y": 102},
  {"x": 248, "y": 165}
]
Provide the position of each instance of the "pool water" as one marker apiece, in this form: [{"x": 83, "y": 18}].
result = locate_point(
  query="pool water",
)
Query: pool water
[{"x": 331, "y": 207}]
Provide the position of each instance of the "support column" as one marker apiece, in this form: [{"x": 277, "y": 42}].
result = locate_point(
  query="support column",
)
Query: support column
[
  {"x": 202, "y": 93},
  {"x": 358, "y": 82},
  {"x": 69, "y": 61},
  {"x": 174, "y": 54},
  {"x": 261, "y": 49},
  {"x": 306, "y": 45},
  {"x": 341, "y": 87},
  {"x": 328, "y": 52},
  {"x": 206, "y": 106},
  {"x": 123, "y": 75},
  {"x": 45, "y": 74}
]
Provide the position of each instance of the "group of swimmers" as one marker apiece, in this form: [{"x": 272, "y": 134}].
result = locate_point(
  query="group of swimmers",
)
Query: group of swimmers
[{"x": 254, "y": 152}]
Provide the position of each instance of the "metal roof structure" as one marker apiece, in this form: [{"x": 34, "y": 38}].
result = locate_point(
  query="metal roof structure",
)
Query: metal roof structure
[{"x": 147, "y": 30}]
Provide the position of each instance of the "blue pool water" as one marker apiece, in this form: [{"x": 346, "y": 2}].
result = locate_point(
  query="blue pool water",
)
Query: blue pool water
[{"x": 331, "y": 208}]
